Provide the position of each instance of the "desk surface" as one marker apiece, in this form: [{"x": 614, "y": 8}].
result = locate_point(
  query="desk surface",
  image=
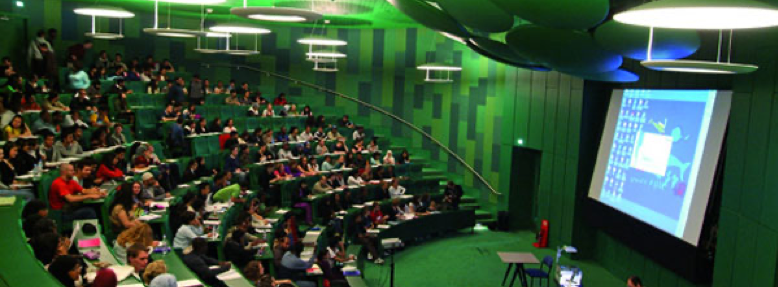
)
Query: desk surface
[{"x": 518, "y": 257}]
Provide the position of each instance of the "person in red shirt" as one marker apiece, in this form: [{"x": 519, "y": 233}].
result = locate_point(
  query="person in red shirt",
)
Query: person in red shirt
[
  {"x": 280, "y": 100},
  {"x": 377, "y": 216},
  {"x": 108, "y": 170},
  {"x": 66, "y": 194}
]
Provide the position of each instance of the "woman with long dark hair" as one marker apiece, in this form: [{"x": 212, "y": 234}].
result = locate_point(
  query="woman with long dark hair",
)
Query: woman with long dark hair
[
  {"x": 108, "y": 169},
  {"x": 123, "y": 208}
]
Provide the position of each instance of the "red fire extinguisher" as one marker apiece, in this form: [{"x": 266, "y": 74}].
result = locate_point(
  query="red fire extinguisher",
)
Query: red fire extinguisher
[{"x": 542, "y": 236}]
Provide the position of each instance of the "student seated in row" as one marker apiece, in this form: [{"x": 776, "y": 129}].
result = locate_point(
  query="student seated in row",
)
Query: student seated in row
[
  {"x": 67, "y": 147},
  {"x": 255, "y": 272},
  {"x": 67, "y": 195},
  {"x": 198, "y": 261},
  {"x": 191, "y": 229}
]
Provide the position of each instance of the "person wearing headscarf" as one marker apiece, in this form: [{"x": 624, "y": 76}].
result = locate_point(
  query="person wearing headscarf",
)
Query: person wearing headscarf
[{"x": 389, "y": 158}]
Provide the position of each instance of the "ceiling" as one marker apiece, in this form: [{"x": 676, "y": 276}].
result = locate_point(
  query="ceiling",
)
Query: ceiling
[{"x": 340, "y": 13}]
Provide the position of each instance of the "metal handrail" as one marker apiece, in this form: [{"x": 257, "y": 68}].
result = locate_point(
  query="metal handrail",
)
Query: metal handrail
[{"x": 372, "y": 107}]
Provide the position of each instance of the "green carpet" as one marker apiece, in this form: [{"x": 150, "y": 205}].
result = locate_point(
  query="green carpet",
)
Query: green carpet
[{"x": 466, "y": 259}]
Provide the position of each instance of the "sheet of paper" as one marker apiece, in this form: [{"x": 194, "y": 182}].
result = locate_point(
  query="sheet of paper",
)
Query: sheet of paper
[
  {"x": 164, "y": 204},
  {"x": 149, "y": 217},
  {"x": 211, "y": 222},
  {"x": 189, "y": 283}
]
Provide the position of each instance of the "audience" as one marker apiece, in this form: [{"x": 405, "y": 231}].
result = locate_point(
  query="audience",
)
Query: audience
[{"x": 68, "y": 192}]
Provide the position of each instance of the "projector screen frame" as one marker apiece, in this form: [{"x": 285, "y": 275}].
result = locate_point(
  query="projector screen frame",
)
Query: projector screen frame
[
  {"x": 691, "y": 214},
  {"x": 694, "y": 263}
]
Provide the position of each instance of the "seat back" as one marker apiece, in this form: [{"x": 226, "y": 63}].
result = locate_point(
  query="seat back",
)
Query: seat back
[{"x": 547, "y": 261}]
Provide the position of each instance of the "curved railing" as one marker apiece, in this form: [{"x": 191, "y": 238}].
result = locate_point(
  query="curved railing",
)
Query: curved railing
[{"x": 372, "y": 107}]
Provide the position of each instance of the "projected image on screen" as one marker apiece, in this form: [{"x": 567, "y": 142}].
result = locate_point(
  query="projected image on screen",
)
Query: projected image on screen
[{"x": 651, "y": 168}]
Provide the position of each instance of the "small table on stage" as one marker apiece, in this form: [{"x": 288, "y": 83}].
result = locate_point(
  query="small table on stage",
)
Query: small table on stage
[{"x": 518, "y": 259}]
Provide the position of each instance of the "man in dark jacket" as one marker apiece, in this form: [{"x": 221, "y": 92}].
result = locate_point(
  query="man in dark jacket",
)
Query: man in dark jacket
[
  {"x": 200, "y": 263},
  {"x": 176, "y": 93}
]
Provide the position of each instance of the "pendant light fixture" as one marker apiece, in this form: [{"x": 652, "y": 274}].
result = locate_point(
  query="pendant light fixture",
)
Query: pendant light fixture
[
  {"x": 275, "y": 14},
  {"x": 694, "y": 66},
  {"x": 170, "y": 32},
  {"x": 104, "y": 12},
  {"x": 325, "y": 55},
  {"x": 204, "y": 13},
  {"x": 701, "y": 14},
  {"x": 321, "y": 41},
  {"x": 437, "y": 72},
  {"x": 239, "y": 28}
]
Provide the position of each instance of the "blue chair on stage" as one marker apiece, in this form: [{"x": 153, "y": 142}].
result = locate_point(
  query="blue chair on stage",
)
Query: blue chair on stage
[{"x": 539, "y": 273}]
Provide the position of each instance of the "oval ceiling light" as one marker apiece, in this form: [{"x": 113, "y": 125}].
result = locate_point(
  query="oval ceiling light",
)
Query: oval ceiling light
[
  {"x": 195, "y": 2},
  {"x": 241, "y": 52},
  {"x": 326, "y": 54},
  {"x": 239, "y": 29},
  {"x": 438, "y": 67},
  {"x": 697, "y": 66},
  {"x": 173, "y": 33},
  {"x": 276, "y": 14},
  {"x": 321, "y": 60},
  {"x": 701, "y": 67},
  {"x": 107, "y": 12},
  {"x": 701, "y": 14},
  {"x": 322, "y": 42},
  {"x": 105, "y": 36},
  {"x": 210, "y": 51}
]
